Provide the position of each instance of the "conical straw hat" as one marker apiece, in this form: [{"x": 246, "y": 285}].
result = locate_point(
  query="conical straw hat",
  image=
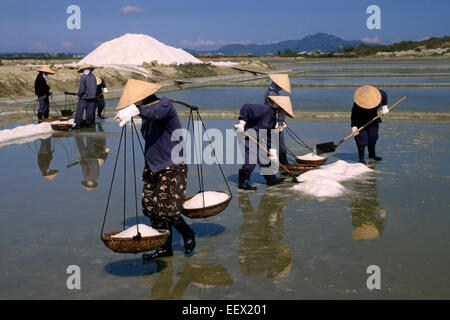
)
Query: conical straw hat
[
  {"x": 98, "y": 80},
  {"x": 365, "y": 232},
  {"x": 136, "y": 90},
  {"x": 367, "y": 97},
  {"x": 285, "y": 103},
  {"x": 282, "y": 80},
  {"x": 46, "y": 69},
  {"x": 51, "y": 175},
  {"x": 85, "y": 66},
  {"x": 100, "y": 161}
]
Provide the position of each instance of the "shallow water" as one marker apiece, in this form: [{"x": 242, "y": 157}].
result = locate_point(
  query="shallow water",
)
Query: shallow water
[
  {"x": 309, "y": 99},
  {"x": 268, "y": 244},
  {"x": 372, "y": 80}
]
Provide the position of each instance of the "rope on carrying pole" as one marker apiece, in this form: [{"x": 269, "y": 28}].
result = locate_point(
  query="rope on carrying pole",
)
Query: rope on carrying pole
[
  {"x": 138, "y": 235},
  {"x": 298, "y": 139}
]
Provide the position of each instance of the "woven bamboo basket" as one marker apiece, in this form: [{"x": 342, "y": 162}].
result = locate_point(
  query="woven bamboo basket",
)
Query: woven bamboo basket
[
  {"x": 66, "y": 113},
  {"x": 128, "y": 245},
  {"x": 312, "y": 162},
  {"x": 62, "y": 126},
  {"x": 56, "y": 118},
  {"x": 209, "y": 211},
  {"x": 298, "y": 169}
]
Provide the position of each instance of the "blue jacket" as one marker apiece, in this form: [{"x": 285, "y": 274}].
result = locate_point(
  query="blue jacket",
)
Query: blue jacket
[
  {"x": 88, "y": 87},
  {"x": 258, "y": 117},
  {"x": 159, "y": 121}
]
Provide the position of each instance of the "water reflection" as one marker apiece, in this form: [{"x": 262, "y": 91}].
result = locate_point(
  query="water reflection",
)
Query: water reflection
[
  {"x": 93, "y": 153},
  {"x": 204, "y": 275},
  {"x": 261, "y": 247},
  {"x": 44, "y": 158},
  {"x": 368, "y": 218}
]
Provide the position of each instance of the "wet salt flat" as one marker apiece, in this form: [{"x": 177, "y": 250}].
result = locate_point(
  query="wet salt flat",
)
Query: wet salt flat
[
  {"x": 270, "y": 244},
  {"x": 372, "y": 80},
  {"x": 309, "y": 99}
]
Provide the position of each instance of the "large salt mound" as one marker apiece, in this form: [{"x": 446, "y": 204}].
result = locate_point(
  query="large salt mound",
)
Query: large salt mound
[
  {"x": 22, "y": 134},
  {"x": 324, "y": 182},
  {"x": 134, "y": 49},
  {"x": 144, "y": 230}
]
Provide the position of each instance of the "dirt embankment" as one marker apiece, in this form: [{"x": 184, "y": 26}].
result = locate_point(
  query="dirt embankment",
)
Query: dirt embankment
[{"x": 17, "y": 76}]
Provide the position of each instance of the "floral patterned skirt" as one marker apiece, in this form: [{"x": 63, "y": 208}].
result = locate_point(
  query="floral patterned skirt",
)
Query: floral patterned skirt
[{"x": 163, "y": 194}]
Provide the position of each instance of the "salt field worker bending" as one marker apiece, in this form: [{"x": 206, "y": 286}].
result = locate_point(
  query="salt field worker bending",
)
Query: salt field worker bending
[
  {"x": 164, "y": 178},
  {"x": 367, "y": 101},
  {"x": 279, "y": 82},
  {"x": 87, "y": 93},
  {"x": 260, "y": 117},
  {"x": 100, "y": 98},
  {"x": 42, "y": 91}
]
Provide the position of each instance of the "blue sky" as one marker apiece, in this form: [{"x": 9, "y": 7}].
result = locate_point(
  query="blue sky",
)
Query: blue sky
[{"x": 40, "y": 26}]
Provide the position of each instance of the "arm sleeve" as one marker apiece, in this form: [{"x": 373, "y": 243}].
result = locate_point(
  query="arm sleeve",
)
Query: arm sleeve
[
  {"x": 82, "y": 88},
  {"x": 156, "y": 112},
  {"x": 244, "y": 113},
  {"x": 353, "y": 117}
]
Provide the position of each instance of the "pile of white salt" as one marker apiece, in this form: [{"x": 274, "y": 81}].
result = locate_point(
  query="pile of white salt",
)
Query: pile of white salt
[
  {"x": 130, "y": 232},
  {"x": 324, "y": 182},
  {"x": 310, "y": 156},
  {"x": 205, "y": 199},
  {"x": 17, "y": 134}
]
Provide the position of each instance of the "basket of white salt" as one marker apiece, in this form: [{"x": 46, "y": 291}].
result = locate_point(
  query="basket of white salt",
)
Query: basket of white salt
[
  {"x": 298, "y": 169},
  {"x": 63, "y": 124},
  {"x": 311, "y": 158},
  {"x": 128, "y": 241},
  {"x": 206, "y": 204}
]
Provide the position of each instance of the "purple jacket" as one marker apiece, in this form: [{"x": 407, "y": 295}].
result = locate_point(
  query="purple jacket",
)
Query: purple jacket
[
  {"x": 159, "y": 121},
  {"x": 258, "y": 117},
  {"x": 88, "y": 87}
]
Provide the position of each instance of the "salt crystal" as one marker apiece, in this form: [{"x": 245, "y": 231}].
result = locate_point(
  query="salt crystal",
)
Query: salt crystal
[
  {"x": 210, "y": 198},
  {"x": 310, "y": 156},
  {"x": 130, "y": 232},
  {"x": 324, "y": 182}
]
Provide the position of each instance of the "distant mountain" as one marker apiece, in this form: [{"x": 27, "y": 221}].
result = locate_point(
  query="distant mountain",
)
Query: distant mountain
[{"x": 319, "y": 41}]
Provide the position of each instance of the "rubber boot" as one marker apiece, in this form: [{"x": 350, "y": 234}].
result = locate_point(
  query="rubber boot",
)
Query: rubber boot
[
  {"x": 361, "y": 154},
  {"x": 283, "y": 158},
  {"x": 272, "y": 180},
  {"x": 372, "y": 153},
  {"x": 164, "y": 251},
  {"x": 244, "y": 177},
  {"x": 188, "y": 235}
]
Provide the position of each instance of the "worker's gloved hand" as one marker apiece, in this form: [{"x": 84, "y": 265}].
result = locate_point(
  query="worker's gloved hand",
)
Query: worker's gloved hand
[
  {"x": 280, "y": 128},
  {"x": 240, "y": 127},
  {"x": 273, "y": 155},
  {"x": 105, "y": 90},
  {"x": 384, "y": 109},
  {"x": 50, "y": 93},
  {"x": 382, "y": 213},
  {"x": 126, "y": 114},
  {"x": 355, "y": 131}
]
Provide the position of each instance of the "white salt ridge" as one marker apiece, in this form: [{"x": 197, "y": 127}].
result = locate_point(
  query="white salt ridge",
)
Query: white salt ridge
[
  {"x": 324, "y": 182},
  {"x": 210, "y": 198},
  {"x": 310, "y": 156},
  {"x": 70, "y": 121},
  {"x": 24, "y": 133},
  {"x": 144, "y": 230},
  {"x": 134, "y": 49}
]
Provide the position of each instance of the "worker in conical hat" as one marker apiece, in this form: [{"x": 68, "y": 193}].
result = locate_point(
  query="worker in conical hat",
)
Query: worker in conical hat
[
  {"x": 368, "y": 100},
  {"x": 42, "y": 91},
  {"x": 45, "y": 156},
  {"x": 165, "y": 175},
  {"x": 261, "y": 119},
  {"x": 101, "y": 90},
  {"x": 87, "y": 97},
  {"x": 279, "y": 82}
]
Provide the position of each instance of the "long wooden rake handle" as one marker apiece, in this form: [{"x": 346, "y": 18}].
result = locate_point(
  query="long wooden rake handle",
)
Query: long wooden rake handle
[
  {"x": 364, "y": 126},
  {"x": 268, "y": 153}
]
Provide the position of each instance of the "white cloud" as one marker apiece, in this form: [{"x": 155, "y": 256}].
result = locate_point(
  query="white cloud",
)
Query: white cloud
[
  {"x": 198, "y": 43},
  {"x": 66, "y": 44},
  {"x": 371, "y": 40},
  {"x": 131, "y": 9},
  {"x": 41, "y": 47}
]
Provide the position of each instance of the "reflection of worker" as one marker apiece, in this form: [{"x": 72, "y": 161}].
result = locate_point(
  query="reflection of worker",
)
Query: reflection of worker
[
  {"x": 279, "y": 82},
  {"x": 261, "y": 250},
  {"x": 45, "y": 156},
  {"x": 368, "y": 100},
  {"x": 201, "y": 274},
  {"x": 367, "y": 225},
  {"x": 90, "y": 164},
  {"x": 101, "y": 150},
  {"x": 42, "y": 91}
]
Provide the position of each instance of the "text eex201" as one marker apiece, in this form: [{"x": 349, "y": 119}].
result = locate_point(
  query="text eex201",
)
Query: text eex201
[{"x": 230, "y": 309}]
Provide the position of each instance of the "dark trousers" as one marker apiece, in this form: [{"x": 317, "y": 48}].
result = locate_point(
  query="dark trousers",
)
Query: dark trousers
[
  {"x": 368, "y": 136},
  {"x": 44, "y": 107},
  {"x": 88, "y": 105},
  {"x": 282, "y": 145},
  {"x": 100, "y": 105}
]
